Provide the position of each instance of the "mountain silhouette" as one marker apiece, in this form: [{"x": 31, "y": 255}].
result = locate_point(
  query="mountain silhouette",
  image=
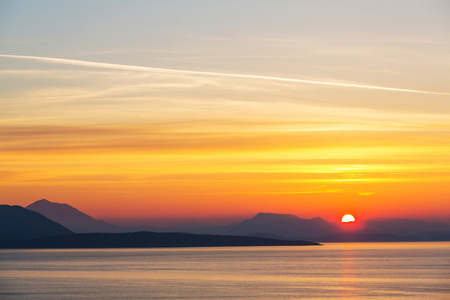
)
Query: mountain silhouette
[
  {"x": 37, "y": 226},
  {"x": 283, "y": 225},
  {"x": 24, "y": 228},
  {"x": 17, "y": 222},
  {"x": 79, "y": 222},
  {"x": 265, "y": 225},
  {"x": 72, "y": 218}
]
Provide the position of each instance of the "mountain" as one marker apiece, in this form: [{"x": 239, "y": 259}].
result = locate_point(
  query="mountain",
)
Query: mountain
[
  {"x": 147, "y": 240},
  {"x": 80, "y": 222},
  {"x": 17, "y": 222},
  {"x": 265, "y": 225},
  {"x": 283, "y": 225},
  {"x": 287, "y": 226},
  {"x": 72, "y": 218},
  {"x": 24, "y": 228}
]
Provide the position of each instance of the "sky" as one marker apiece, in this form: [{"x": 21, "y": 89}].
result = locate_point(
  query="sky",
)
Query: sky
[{"x": 158, "y": 112}]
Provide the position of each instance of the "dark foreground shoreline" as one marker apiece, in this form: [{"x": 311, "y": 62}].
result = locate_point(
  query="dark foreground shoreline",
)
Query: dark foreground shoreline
[{"x": 143, "y": 240}]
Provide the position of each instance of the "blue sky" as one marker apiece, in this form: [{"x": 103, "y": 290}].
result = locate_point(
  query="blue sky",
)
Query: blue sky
[{"x": 307, "y": 38}]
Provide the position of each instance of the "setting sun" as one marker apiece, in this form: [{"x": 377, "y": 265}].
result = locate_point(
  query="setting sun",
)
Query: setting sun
[{"x": 348, "y": 219}]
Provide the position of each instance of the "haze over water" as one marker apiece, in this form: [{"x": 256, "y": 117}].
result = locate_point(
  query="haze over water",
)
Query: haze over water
[{"x": 359, "y": 270}]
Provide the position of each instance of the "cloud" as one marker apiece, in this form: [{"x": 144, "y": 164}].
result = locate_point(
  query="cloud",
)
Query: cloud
[
  {"x": 202, "y": 73},
  {"x": 193, "y": 139},
  {"x": 365, "y": 193}
]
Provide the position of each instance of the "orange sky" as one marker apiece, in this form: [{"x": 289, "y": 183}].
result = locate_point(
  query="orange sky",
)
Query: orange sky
[
  {"x": 368, "y": 162},
  {"x": 131, "y": 144}
]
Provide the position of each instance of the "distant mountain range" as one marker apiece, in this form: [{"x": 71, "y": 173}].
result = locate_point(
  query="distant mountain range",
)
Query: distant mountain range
[
  {"x": 263, "y": 225},
  {"x": 267, "y": 225},
  {"x": 71, "y": 217},
  {"x": 21, "y": 228},
  {"x": 283, "y": 226},
  {"x": 320, "y": 230}
]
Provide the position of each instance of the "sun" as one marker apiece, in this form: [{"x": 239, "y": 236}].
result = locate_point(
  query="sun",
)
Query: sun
[{"x": 348, "y": 219}]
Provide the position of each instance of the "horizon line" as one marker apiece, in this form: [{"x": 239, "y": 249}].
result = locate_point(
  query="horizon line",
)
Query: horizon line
[{"x": 207, "y": 73}]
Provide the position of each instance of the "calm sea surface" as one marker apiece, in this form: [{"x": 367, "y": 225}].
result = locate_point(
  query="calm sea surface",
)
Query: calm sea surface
[{"x": 359, "y": 270}]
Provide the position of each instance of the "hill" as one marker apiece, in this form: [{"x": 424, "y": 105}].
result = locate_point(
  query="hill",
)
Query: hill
[
  {"x": 283, "y": 226},
  {"x": 80, "y": 222},
  {"x": 266, "y": 225},
  {"x": 72, "y": 218},
  {"x": 17, "y": 222}
]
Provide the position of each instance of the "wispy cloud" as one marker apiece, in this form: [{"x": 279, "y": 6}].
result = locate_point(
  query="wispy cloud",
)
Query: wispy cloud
[
  {"x": 203, "y": 73},
  {"x": 157, "y": 139}
]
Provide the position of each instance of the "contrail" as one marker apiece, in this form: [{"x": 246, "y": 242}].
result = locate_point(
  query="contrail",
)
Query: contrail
[{"x": 161, "y": 70}]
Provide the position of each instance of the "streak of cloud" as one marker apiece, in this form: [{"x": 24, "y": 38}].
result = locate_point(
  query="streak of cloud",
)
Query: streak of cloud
[
  {"x": 204, "y": 73},
  {"x": 158, "y": 139}
]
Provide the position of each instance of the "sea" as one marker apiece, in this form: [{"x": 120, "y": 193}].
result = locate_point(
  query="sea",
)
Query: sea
[{"x": 333, "y": 270}]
